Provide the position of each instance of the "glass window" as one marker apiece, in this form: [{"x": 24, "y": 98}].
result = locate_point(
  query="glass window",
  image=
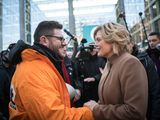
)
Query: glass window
[
  {"x": 147, "y": 15},
  {"x": 158, "y": 3},
  {"x": 146, "y": 3},
  {"x": 10, "y": 22},
  {"x": 157, "y": 24},
  {"x": 28, "y": 38},
  {"x": 154, "y": 10}
]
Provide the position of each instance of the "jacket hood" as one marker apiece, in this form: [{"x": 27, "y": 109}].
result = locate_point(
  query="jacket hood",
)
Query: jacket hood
[
  {"x": 16, "y": 55},
  {"x": 15, "y": 52}
]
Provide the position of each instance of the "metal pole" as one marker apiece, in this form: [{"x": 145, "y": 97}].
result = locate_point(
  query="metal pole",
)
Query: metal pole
[
  {"x": 140, "y": 14},
  {"x": 71, "y": 17},
  {"x": 22, "y": 19},
  {"x": 122, "y": 15},
  {"x": 144, "y": 29}
]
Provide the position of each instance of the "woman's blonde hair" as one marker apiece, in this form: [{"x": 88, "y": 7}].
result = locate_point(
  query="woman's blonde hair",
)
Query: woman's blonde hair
[{"x": 116, "y": 34}]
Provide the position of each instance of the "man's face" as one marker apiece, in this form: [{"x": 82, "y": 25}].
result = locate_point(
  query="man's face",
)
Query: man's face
[
  {"x": 55, "y": 41},
  {"x": 153, "y": 41}
]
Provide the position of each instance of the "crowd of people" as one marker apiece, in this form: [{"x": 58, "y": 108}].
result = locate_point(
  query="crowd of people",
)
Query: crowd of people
[{"x": 111, "y": 79}]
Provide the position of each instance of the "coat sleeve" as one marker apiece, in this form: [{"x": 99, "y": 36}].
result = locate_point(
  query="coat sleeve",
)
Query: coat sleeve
[
  {"x": 3, "y": 88},
  {"x": 40, "y": 96},
  {"x": 134, "y": 89}
]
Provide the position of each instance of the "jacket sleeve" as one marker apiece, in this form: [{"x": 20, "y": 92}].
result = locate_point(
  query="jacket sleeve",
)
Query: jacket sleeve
[
  {"x": 102, "y": 62},
  {"x": 3, "y": 87},
  {"x": 133, "y": 84},
  {"x": 97, "y": 77},
  {"x": 40, "y": 96}
]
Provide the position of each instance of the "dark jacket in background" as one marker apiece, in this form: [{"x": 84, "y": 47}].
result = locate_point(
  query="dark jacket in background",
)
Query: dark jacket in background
[
  {"x": 154, "y": 54},
  {"x": 6, "y": 74},
  {"x": 71, "y": 68},
  {"x": 153, "y": 112},
  {"x": 2, "y": 117},
  {"x": 88, "y": 66}
]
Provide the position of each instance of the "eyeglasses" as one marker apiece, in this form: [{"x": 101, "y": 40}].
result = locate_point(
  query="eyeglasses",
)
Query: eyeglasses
[{"x": 62, "y": 39}]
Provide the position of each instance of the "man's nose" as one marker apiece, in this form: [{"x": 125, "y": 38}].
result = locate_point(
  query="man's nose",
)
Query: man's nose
[
  {"x": 151, "y": 42},
  {"x": 64, "y": 43}
]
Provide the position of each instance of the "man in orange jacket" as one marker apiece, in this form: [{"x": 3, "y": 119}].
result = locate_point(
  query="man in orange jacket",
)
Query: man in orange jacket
[{"x": 38, "y": 90}]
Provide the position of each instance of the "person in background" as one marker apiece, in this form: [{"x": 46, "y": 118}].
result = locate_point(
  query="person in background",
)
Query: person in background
[
  {"x": 123, "y": 88},
  {"x": 70, "y": 72},
  {"x": 89, "y": 74},
  {"x": 6, "y": 73},
  {"x": 2, "y": 117},
  {"x": 153, "y": 82},
  {"x": 38, "y": 89},
  {"x": 153, "y": 51}
]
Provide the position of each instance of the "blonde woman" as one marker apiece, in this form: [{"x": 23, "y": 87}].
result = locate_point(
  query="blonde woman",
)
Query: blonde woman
[{"x": 123, "y": 88}]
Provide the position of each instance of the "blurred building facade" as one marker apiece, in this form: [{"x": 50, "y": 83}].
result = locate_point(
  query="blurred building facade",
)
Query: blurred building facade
[
  {"x": 19, "y": 18},
  {"x": 150, "y": 16},
  {"x": 15, "y": 22},
  {"x": 10, "y": 22},
  {"x": 83, "y": 13},
  {"x": 130, "y": 8},
  {"x": 1, "y": 25}
]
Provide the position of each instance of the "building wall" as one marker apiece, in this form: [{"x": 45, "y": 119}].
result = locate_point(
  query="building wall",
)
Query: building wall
[
  {"x": 151, "y": 18},
  {"x": 10, "y": 26},
  {"x": 11, "y": 17},
  {"x": 150, "y": 15},
  {"x": 0, "y": 25},
  {"x": 130, "y": 9}
]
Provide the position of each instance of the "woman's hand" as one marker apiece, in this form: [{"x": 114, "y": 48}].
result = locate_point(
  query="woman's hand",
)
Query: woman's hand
[{"x": 91, "y": 104}]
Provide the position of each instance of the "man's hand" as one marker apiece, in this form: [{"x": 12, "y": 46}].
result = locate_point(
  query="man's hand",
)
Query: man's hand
[
  {"x": 90, "y": 79},
  {"x": 77, "y": 96},
  {"x": 91, "y": 104}
]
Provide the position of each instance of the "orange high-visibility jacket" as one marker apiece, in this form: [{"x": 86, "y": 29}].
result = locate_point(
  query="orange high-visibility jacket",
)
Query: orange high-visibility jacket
[{"x": 38, "y": 92}]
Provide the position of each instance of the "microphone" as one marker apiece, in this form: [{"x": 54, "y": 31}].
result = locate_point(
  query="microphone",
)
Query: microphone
[
  {"x": 158, "y": 46},
  {"x": 69, "y": 34}
]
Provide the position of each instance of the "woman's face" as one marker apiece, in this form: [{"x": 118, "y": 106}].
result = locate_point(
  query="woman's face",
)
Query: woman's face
[{"x": 104, "y": 48}]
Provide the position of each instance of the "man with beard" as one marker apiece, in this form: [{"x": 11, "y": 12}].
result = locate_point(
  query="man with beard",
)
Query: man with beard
[{"x": 38, "y": 90}]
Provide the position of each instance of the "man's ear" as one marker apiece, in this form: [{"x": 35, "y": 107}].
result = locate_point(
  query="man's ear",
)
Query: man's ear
[{"x": 44, "y": 41}]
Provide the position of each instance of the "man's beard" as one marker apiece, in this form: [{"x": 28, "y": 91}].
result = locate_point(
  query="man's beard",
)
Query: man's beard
[{"x": 54, "y": 48}]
